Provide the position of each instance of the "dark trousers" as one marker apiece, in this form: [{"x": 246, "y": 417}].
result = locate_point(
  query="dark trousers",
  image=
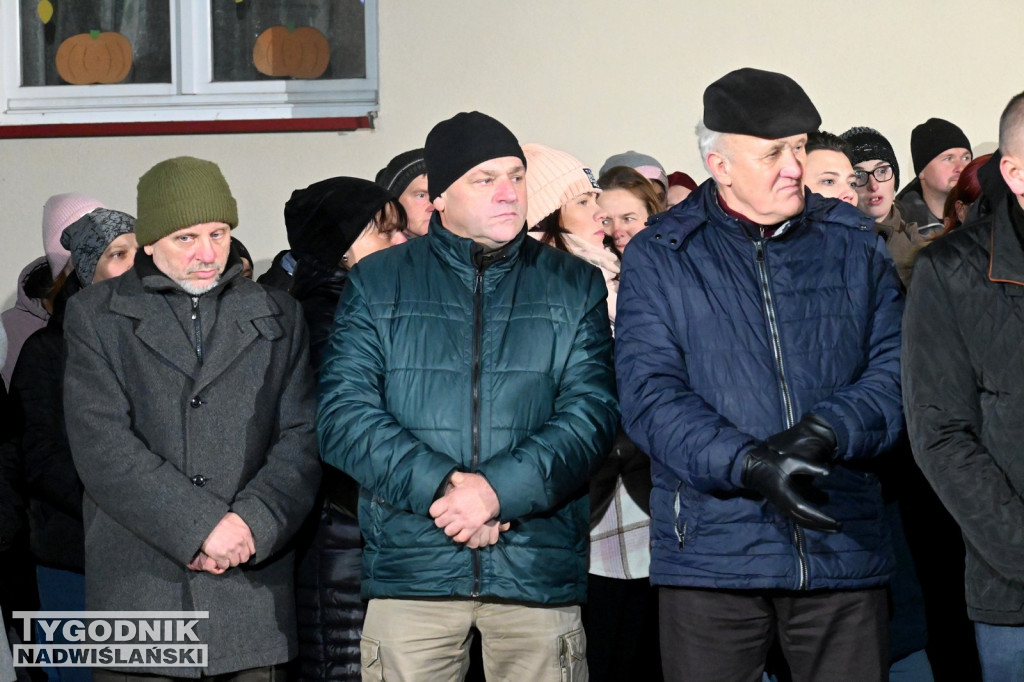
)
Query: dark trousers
[
  {"x": 621, "y": 622},
  {"x": 717, "y": 635},
  {"x": 270, "y": 673}
]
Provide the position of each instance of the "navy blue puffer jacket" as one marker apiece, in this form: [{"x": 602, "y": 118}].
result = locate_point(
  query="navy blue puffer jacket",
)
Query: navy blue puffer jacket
[{"x": 725, "y": 338}]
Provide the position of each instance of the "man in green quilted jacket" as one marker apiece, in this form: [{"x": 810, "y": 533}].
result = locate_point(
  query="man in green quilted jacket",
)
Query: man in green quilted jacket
[{"x": 473, "y": 449}]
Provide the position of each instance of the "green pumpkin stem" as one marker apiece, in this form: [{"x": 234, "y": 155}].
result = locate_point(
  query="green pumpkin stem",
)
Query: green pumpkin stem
[{"x": 95, "y": 34}]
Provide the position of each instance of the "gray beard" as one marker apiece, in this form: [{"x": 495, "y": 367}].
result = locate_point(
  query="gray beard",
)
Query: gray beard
[{"x": 197, "y": 289}]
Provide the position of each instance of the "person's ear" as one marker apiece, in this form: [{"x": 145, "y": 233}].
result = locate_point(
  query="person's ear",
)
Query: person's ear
[
  {"x": 720, "y": 168},
  {"x": 1012, "y": 170}
]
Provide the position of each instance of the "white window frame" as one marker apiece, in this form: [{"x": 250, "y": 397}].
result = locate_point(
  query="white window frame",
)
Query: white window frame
[{"x": 192, "y": 95}]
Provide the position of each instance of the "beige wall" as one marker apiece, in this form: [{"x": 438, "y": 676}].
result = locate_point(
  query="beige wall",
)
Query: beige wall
[{"x": 594, "y": 77}]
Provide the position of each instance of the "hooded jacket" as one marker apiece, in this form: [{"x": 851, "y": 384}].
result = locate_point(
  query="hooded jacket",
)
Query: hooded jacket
[
  {"x": 724, "y": 338},
  {"x": 441, "y": 360},
  {"x": 26, "y": 317}
]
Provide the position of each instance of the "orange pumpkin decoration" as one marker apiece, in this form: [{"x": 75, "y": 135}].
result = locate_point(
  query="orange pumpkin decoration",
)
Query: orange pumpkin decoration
[
  {"x": 94, "y": 57},
  {"x": 287, "y": 51}
]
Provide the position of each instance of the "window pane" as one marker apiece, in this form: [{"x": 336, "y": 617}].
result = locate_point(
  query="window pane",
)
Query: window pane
[
  {"x": 283, "y": 39},
  {"x": 135, "y": 49}
]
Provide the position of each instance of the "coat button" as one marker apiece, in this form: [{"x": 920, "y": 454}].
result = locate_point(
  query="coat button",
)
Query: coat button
[
  {"x": 196, "y": 402},
  {"x": 199, "y": 480}
]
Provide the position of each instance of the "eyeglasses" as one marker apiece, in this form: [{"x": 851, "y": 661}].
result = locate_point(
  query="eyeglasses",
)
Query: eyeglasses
[{"x": 882, "y": 174}]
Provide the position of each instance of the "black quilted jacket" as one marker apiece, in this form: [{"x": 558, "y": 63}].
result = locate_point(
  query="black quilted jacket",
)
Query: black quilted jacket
[{"x": 963, "y": 369}]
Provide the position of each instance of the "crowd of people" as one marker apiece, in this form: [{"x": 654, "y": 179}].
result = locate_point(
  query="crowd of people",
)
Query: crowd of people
[{"x": 493, "y": 415}]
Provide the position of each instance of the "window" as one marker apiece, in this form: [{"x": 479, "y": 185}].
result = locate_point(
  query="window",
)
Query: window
[{"x": 138, "y": 61}]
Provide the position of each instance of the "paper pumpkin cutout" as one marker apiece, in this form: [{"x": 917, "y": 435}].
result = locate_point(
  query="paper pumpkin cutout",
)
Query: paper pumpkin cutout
[
  {"x": 94, "y": 57},
  {"x": 283, "y": 51}
]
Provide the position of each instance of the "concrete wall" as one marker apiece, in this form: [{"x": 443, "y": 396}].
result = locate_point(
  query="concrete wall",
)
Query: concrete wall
[{"x": 593, "y": 77}]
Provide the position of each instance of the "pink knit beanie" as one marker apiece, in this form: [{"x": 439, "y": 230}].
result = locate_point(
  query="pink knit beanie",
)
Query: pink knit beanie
[
  {"x": 553, "y": 179},
  {"x": 59, "y": 211}
]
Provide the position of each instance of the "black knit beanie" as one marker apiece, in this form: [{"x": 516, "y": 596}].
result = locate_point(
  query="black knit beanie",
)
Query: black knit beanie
[
  {"x": 867, "y": 144},
  {"x": 759, "y": 103},
  {"x": 400, "y": 171},
  {"x": 463, "y": 141},
  {"x": 324, "y": 219},
  {"x": 933, "y": 137}
]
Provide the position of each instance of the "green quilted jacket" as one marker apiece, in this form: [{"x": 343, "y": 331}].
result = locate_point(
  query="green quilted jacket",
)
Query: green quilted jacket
[{"x": 441, "y": 360}]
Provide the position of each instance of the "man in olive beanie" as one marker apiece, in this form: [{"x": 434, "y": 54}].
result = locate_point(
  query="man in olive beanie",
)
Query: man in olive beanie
[
  {"x": 467, "y": 388},
  {"x": 193, "y": 430}
]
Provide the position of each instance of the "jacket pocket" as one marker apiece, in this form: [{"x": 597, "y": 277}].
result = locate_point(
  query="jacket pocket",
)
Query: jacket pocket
[
  {"x": 572, "y": 656},
  {"x": 369, "y": 654}
]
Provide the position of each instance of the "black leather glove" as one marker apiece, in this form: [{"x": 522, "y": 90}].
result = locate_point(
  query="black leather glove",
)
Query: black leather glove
[
  {"x": 784, "y": 480},
  {"x": 810, "y": 439}
]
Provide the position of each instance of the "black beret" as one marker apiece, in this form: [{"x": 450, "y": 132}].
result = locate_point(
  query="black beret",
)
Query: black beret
[
  {"x": 463, "y": 141},
  {"x": 759, "y": 103}
]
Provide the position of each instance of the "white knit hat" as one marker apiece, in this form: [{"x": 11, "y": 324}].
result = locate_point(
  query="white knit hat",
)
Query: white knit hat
[
  {"x": 553, "y": 179},
  {"x": 59, "y": 211}
]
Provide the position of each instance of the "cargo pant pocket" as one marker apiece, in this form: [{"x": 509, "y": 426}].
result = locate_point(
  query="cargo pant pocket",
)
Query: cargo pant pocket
[
  {"x": 369, "y": 654},
  {"x": 572, "y": 656}
]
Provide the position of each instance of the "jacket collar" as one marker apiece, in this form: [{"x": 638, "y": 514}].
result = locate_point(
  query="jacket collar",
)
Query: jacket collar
[
  {"x": 674, "y": 226},
  {"x": 463, "y": 254},
  {"x": 1006, "y": 259},
  {"x": 247, "y": 313}
]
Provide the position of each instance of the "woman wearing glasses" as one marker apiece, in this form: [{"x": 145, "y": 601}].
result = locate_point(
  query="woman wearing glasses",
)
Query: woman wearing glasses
[{"x": 878, "y": 177}]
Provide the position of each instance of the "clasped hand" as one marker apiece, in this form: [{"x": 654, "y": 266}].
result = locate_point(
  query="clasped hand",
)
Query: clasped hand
[
  {"x": 229, "y": 544},
  {"x": 468, "y": 511}
]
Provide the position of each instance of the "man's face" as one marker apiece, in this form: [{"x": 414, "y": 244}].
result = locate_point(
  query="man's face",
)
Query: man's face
[
  {"x": 760, "y": 178},
  {"x": 488, "y": 203},
  {"x": 875, "y": 198},
  {"x": 942, "y": 172},
  {"x": 194, "y": 257},
  {"x": 416, "y": 202},
  {"x": 830, "y": 174}
]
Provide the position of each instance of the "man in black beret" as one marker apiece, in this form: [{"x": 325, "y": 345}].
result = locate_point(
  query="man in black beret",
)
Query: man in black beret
[
  {"x": 757, "y": 356},
  {"x": 940, "y": 151},
  {"x": 468, "y": 389}
]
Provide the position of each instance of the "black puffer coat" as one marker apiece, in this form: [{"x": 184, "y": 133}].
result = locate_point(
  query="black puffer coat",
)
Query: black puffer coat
[
  {"x": 330, "y": 610},
  {"x": 962, "y": 376},
  {"x": 54, "y": 490}
]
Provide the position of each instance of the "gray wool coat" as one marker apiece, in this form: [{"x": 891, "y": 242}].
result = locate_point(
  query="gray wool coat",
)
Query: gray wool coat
[{"x": 166, "y": 446}]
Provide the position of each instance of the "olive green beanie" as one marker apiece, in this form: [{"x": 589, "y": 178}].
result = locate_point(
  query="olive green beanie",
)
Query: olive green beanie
[{"x": 179, "y": 193}]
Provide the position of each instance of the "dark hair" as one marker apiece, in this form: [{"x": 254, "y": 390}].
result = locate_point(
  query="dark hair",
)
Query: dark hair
[
  {"x": 624, "y": 177},
  {"x": 966, "y": 191},
  {"x": 38, "y": 281},
  {"x": 551, "y": 231},
  {"x": 399, "y": 218},
  {"x": 822, "y": 140}
]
